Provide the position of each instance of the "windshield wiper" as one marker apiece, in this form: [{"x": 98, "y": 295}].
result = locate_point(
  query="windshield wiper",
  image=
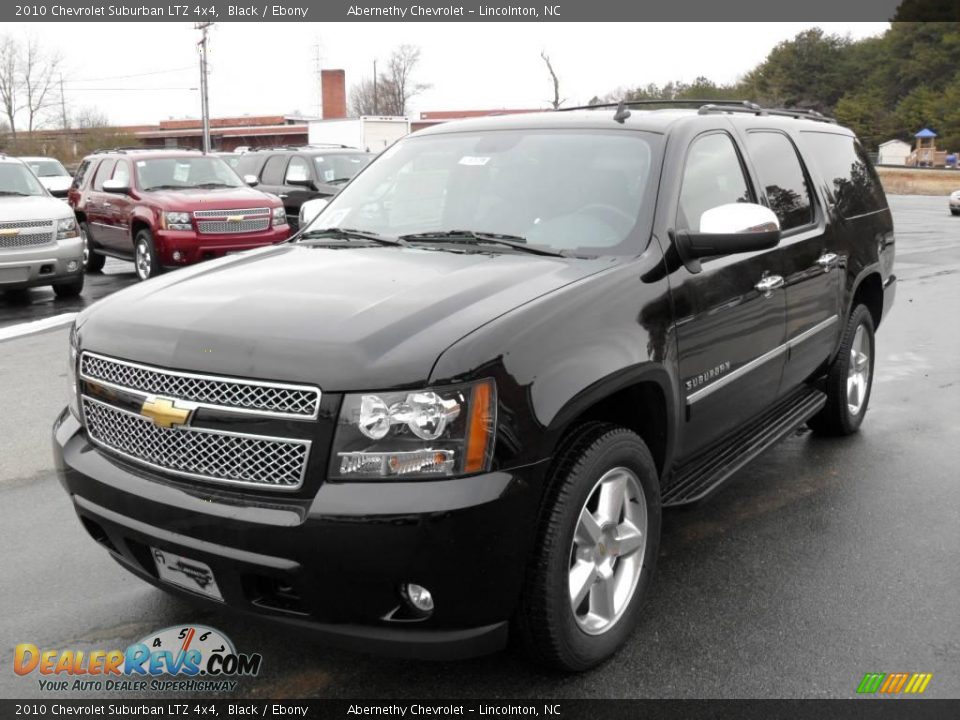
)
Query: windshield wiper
[
  {"x": 214, "y": 185},
  {"x": 351, "y": 234},
  {"x": 472, "y": 237},
  {"x": 14, "y": 192},
  {"x": 337, "y": 181},
  {"x": 166, "y": 187}
]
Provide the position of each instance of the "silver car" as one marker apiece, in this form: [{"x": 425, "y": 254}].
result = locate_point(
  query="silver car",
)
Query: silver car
[
  {"x": 51, "y": 173},
  {"x": 955, "y": 202},
  {"x": 39, "y": 242}
]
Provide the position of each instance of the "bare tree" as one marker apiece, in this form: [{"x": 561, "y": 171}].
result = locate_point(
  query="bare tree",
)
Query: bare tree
[
  {"x": 88, "y": 118},
  {"x": 556, "y": 102},
  {"x": 10, "y": 81},
  {"x": 39, "y": 70},
  {"x": 362, "y": 100},
  {"x": 394, "y": 86}
]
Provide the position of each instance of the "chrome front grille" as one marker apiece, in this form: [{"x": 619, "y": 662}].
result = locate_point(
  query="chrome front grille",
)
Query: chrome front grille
[
  {"x": 248, "y": 396},
  {"x": 200, "y": 214},
  {"x": 226, "y": 227},
  {"x": 25, "y": 240},
  {"x": 21, "y": 224},
  {"x": 198, "y": 453}
]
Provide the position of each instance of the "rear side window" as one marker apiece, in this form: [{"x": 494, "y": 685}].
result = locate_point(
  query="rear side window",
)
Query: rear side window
[
  {"x": 273, "y": 170},
  {"x": 852, "y": 181},
  {"x": 81, "y": 176},
  {"x": 782, "y": 177},
  {"x": 103, "y": 173},
  {"x": 713, "y": 176}
]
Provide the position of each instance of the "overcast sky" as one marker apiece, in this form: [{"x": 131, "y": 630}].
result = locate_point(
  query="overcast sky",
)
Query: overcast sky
[{"x": 270, "y": 68}]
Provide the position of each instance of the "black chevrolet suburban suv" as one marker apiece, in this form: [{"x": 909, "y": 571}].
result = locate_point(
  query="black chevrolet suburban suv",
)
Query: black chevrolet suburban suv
[
  {"x": 456, "y": 403},
  {"x": 298, "y": 174}
]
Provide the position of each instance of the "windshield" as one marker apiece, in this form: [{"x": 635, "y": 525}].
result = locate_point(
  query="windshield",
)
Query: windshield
[
  {"x": 340, "y": 167},
  {"x": 564, "y": 190},
  {"x": 47, "y": 168},
  {"x": 185, "y": 172},
  {"x": 16, "y": 179}
]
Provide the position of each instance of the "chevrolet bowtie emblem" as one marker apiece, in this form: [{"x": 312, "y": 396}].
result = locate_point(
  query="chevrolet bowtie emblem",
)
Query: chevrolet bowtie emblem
[
  {"x": 8, "y": 232},
  {"x": 234, "y": 218},
  {"x": 166, "y": 412}
]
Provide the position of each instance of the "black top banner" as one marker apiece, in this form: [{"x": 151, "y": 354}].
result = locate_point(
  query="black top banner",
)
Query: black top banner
[{"x": 479, "y": 11}]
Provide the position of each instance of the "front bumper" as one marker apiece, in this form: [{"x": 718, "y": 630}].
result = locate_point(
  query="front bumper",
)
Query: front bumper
[
  {"x": 331, "y": 564},
  {"x": 41, "y": 264},
  {"x": 193, "y": 246}
]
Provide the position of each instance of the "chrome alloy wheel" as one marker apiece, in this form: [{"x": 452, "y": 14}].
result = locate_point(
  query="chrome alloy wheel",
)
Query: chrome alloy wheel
[
  {"x": 86, "y": 247},
  {"x": 143, "y": 261},
  {"x": 607, "y": 552},
  {"x": 858, "y": 372}
]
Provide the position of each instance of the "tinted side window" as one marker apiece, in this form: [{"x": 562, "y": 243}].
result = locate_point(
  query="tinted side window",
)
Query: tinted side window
[
  {"x": 103, "y": 173},
  {"x": 712, "y": 176},
  {"x": 273, "y": 170},
  {"x": 847, "y": 171},
  {"x": 81, "y": 175},
  {"x": 782, "y": 177}
]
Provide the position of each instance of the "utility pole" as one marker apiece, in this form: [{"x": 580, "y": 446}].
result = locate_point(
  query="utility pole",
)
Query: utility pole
[
  {"x": 204, "y": 101},
  {"x": 63, "y": 104},
  {"x": 376, "y": 104}
]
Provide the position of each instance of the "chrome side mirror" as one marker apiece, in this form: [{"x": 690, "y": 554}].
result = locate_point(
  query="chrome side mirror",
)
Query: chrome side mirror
[
  {"x": 117, "y": 187},
  {"x": 251, "y": 180},
  {"x": 310, "y": 209},
  {"x": 739, "y": 219}
]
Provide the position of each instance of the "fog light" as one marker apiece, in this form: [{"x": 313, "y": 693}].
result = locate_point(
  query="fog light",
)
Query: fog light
[
  {"x": 418, "y": 597},
  {"x": 177, "y": 256},
  {"x": 72, "y": 266}
]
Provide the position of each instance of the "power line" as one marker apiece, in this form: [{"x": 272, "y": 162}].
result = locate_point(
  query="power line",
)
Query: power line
[
  {"x": 126, "y": 89},
  {"x": 124, "y": 77}
]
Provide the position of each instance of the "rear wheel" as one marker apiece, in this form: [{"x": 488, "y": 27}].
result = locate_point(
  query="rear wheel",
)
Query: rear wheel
[
  {"x": 596, "y": 551},
  {"x": 92, "y": 261},
  {"x": 849, "y": 379},
  {"x": 145, "y": 256},
  {"x": 69, "y": 289}
]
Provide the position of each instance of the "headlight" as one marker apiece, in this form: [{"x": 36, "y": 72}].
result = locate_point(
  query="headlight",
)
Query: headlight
[
  {"x": 427, "y": 433},
  {"x": 176, "y": 220},
  {"x": 66, "y": 228},
  {"x": 279, "y": 216},
  {"x": 72, "y": 391}
]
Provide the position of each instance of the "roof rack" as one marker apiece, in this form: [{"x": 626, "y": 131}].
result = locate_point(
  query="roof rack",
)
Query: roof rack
[
  {"x": 704, "y": 107},
  {"x": 142, "y": 148},
  {"x": 753, "y": 108},
  {"x": 311, "y": 146}
]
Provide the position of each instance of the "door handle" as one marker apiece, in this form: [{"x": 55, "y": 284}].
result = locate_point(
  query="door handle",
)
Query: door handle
[
  {"x": 106, "y": 204},
  {"x": 827, "y": 261},
  {"x": 281, "y": 195},
  {"x": 769, "y": 283}
]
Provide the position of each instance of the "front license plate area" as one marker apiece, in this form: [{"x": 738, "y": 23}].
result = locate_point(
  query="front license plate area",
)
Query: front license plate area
[{"x": 183, "y": 572}]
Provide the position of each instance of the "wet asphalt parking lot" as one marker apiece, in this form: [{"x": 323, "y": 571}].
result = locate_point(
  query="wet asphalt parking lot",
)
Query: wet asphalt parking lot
[{"x": 822, "y": 560}]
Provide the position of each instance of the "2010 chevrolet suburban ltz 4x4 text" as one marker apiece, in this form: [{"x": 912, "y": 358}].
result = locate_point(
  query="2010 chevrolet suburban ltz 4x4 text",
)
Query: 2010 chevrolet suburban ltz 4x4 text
[
  {"x": 168, "y": 208},
  {"x": 458, "y": 401}
]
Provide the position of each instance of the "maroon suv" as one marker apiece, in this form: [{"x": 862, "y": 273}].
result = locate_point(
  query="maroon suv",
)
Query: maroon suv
[{"x": 168, "y": 208}]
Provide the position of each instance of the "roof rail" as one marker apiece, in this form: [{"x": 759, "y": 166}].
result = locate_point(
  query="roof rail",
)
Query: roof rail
[
  {"x": 712, "y": 106},
  {"x": 142, "y": 148},
  {"x": 800, "y": 113},
  {"x": 642, "y": 103}
]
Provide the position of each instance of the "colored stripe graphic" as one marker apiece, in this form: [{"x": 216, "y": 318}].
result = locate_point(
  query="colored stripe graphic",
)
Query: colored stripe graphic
[{"x": 894, "y": 683}]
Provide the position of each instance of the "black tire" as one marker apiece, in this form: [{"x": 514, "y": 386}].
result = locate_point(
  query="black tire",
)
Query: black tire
[
  {"x": 546, "y": 621},
  {"x": 69, "y": 289},
  {"x": 145, "y": 259},
  {"x": 92, "y": 261},
  {"x": 955, "y": 212},
  {"x": 838, "y": 418}
]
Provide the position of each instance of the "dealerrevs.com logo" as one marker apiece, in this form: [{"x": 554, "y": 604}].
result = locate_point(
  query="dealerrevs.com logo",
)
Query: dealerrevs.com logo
[
  {"x": 205, "y": 658},
  {"x": 894, "y": 683}
]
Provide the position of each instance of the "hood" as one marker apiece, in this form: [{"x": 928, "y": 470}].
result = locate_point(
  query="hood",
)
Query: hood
[
  {"x": 56, "y": 183},
  {"x": 211, "y": 199},
  {"x": 355, "y": 318},
  {"x": 14, "y": 208}
]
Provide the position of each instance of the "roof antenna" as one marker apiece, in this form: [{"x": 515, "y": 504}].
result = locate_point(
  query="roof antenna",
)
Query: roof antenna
[{"x": 622, "y": 112}]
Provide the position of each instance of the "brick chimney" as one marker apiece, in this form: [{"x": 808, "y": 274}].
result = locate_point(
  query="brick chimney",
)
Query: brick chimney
[{"x": 333, "y": 87}]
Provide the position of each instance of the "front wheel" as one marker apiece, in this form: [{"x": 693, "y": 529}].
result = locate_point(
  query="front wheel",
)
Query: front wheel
[
  {"x": 849, "y": 379},
  {"x": 596, "y": 552},
  {"x": 92, "y": 261},
  {"x": 69, "y": 289},
  {"x": 145, "y": 257}
]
